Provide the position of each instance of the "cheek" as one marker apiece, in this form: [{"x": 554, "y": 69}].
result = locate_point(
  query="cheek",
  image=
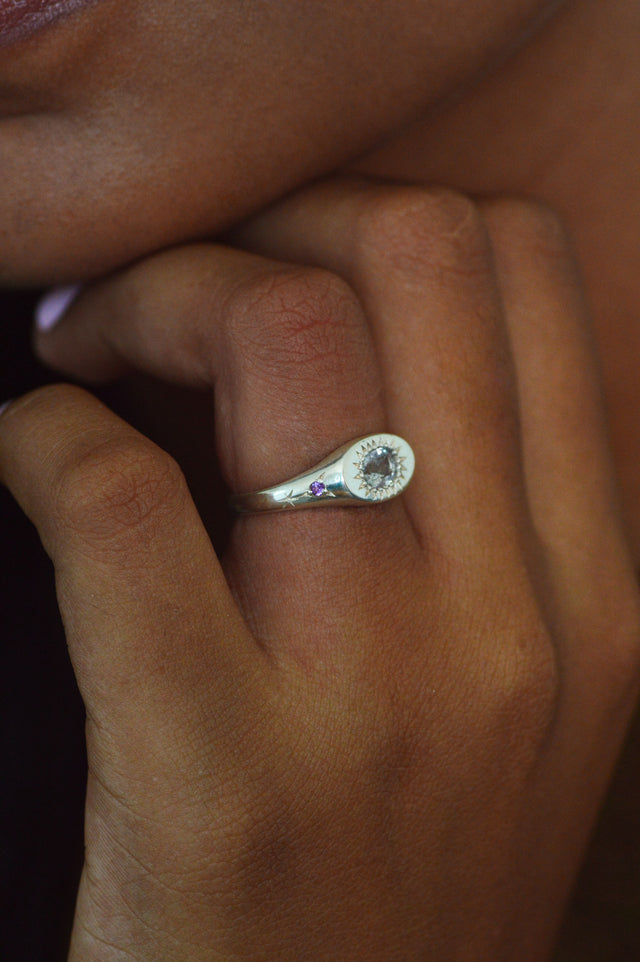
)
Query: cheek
[{"x": 142, "y": 127}]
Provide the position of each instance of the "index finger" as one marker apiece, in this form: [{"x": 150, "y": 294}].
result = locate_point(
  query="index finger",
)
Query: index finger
[{"x": 152, "y": 628}]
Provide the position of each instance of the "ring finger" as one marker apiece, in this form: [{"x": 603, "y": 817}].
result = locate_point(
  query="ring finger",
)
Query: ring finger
[{"x": 290, "y": 357}]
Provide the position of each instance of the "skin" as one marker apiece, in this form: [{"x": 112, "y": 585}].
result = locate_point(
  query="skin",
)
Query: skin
[
  {"x": 87, "y": 186},
  {"x": 576, "y": 147},
  {"x": 552, "y": 577},
  {"x": 277, "y": 770}
]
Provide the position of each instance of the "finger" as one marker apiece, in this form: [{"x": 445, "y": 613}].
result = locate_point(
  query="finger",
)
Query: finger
[
  {"x": 208, "y": 316},
  {"x": 568, "y": 488},
  {"x": 155, "y": 637},
  {"x": 568, "y": 462},
  {"x": 422, "y": 264},
  {"x": 98, "y": 337},
  {"x": 290, "y": 357},
  {"x": 568, "y": 458}
]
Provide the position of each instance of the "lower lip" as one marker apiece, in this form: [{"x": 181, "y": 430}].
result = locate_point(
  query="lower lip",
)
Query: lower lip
[{"x": 19, "y": 19}]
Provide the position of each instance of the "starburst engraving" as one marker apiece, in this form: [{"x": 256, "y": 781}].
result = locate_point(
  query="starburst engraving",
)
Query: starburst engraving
[
  {"x": 380, "y": 469},
  {"x": 316, "y": 491}
]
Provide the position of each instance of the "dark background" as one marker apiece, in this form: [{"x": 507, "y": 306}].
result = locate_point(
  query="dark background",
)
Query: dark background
[
  {"x": 42, "y": 721},
  {"x": 41, "y": 716}
]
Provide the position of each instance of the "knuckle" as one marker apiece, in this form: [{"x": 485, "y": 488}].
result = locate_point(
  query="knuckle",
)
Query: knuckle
[
  {"x": 529, "y": 225},
  {"x": 517, "y": 686},
  {"x": 510, "y": 653},
  {"x": 120, "y": 494},
  {"x": 418, "y": 232},
  {"x": 526, "y": 684},
  {"x": 299, "y": 325}
]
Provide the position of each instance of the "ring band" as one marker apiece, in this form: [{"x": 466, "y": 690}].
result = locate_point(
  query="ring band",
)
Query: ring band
[{"x": 365, "y": 471}]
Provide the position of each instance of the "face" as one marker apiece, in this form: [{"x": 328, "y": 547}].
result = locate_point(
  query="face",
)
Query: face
[{"x": 127, "y": 125}]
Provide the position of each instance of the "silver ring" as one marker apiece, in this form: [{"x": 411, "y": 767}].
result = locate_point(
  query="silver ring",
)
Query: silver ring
[{"x": 365, "y": 471}]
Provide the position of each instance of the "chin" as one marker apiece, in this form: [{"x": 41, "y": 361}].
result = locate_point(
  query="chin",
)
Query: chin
[{"x": 67, "y": 233}]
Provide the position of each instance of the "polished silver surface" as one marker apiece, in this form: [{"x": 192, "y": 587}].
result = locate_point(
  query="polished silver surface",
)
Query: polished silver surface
[{"x": 368, "y": 470}]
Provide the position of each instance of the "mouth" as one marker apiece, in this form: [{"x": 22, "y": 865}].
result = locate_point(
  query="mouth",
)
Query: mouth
[{"x": 19, "y": 19}]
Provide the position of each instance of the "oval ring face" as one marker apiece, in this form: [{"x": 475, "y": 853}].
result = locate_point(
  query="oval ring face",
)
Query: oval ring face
[{"x": 378, "y": 467}]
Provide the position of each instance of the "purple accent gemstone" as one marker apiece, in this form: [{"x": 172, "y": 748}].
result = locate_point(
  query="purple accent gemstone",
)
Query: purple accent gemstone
[{"x": 317, "y": 488}]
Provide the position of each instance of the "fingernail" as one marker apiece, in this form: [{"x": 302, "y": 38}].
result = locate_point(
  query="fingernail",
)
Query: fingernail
[{"x": 54, "y": 306}]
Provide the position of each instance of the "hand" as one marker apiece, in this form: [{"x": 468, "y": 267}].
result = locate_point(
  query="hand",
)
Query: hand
[
  {"x": 557, "y": 121},
  {"x": 366, "y": 734}
]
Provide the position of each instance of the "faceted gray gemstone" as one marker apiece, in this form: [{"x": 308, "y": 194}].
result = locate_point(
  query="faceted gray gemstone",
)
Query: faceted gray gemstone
[{"x": 380, "y": 467}]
